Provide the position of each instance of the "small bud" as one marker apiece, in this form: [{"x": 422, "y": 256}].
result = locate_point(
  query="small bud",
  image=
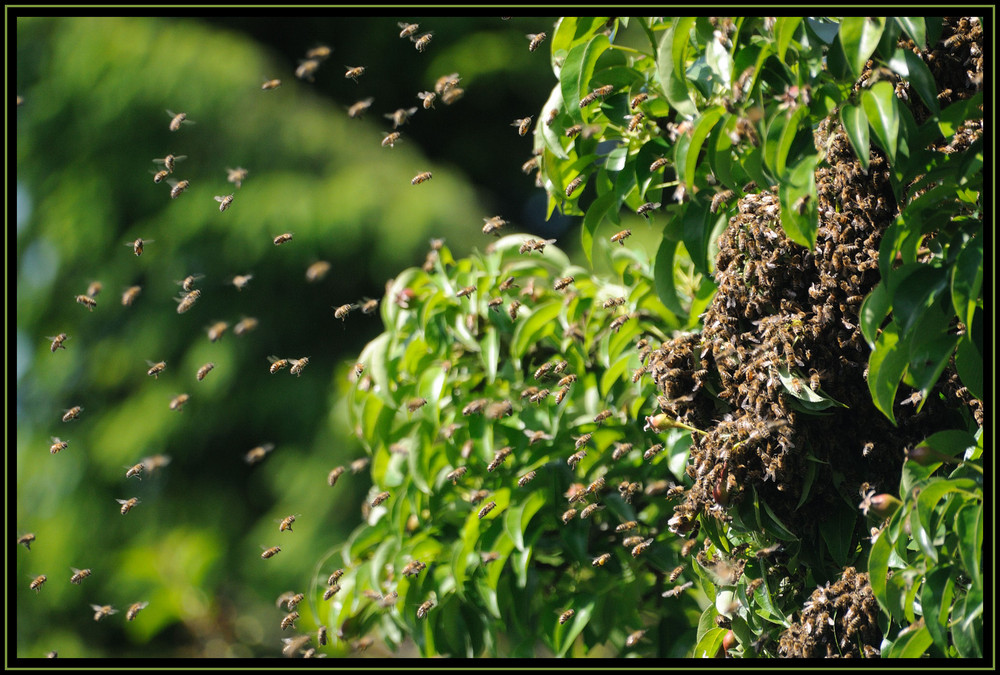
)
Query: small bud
[
  {"x": 925, "y": 455},
  {"x": 659, "y": 423}
]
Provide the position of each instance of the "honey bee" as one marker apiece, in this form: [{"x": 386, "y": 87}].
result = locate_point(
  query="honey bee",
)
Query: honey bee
[
  {"x": 224, "y": 201},
  {"x": 317, "y": 271},
  {"x": 494, "y": 303},
  {"x": 562, "y": 283},
  {"x": 566, "y": 616},
  {"x": 583, "y": 440},
  {"x": 94, "y": 288},
  {"x": 512, "y": 309},
  {"x": 267, "y": 85},
  {"x": 428, "y": 98},
  {"x": 424, "y": 608},
  {"x": 57, "y": 445},
  {"x": 127, "y": 504},
  {"x": 321, "y": 636},
  {"x": 637, "y": 100},
  {"x": 156, "y": 368},
  {"x": 801, "y": 205},
  {"x": 600, "y": 560},
  {"x": 421, "y": 42},
  {"x": 258, "y": 453},
  {"x": 358, "y": 465},
  {"x": 639, "y": 548},
  {"x": 522, "y": 124},
  {"x": 187, "y": 301},
  {"x": 204, "y": 370},
  {"x": 159, "y": 176},
  {"x": 561, "y": 394},
  {"x": 354, "y": 72},
  {"x": 421, "y": 177},
  {"x": 177, "y": 403},
  {"x": 677, "y": 590},
  {"x": 101, "y": 611},
  {"x": 245, "y": 325},
  {"x": 138, "y": 245},
  {"x": 320, "y": 52},
  {"x": 217, "y": 330},
  {"x": 236, "y": 176},
  {"x": 379, "y": 498},
  {"x": 498, "y": 459},
  {"x": 539, "y": 396},
  {"x": 535, "y": 39},
  {"x": 26, "y": 539},
  {"x": 170, "y": 161},
  {"x": 530, "y": 165},
  {"x": 289, "y": 620},
  {"x": 298, "y": 365},
  {"x": 566, "y": 381},
  {"x": 620, "y": 237},
  {"x": 493, "y": 225},
  {"x": 634, "y": 121},
  {"x": 658, "y": 164},
  {"x": 626, "y": 526},
  {"x": 342, "y": 311},
  {"x": 688, "y": 547},
  {"x": 150, "y": 464},
  {"x": 621, "y": 449},
  {"x": 616, "y": 301},
  {"x": 362, "y": 644},
  {"x": 78, "y": 575},
  {"x": 645, "y": 209},
  {"x": 134, "y": 609},
  {"x": 36, "y": 583},
  {"x": 619, "y": 322},
  {"x": 573, "y": 130},
  {"x": 72, "y": 413},
  {"x": 177, "y": 120},
  {"x": 176, "y": 188},
  {"x": 628, "y": 542},
  {"x": 677, "y": 571},
  {"x": 446, "y": 82},
  {"x": 477, "y": 496},
  {"x": 332, "y": 591},
  {"x": 135, "y": 470},
  {"x": 573, "y": 185},
  {"x": 652, "y": 452},
  {"x": 129, "y": 296},
  {"x": 270, "y": 552},
  {"x": 634, "y": 637},
  {"x": 240, "y": 281},
  {"x": 721, "y": 198},
  {"x": 400, "y": 116},
  {"x": 408, "y": 29},
  {"x": 389, "y": 599},
  {"x": 307, "y": 69},
  {"x": 575, "y": 458},
  {"x": 752, "y": 586},
  {"x": 358, "y": 109},
  {"x": 413, "y": 568},
  {"x": 282, "y": 238},
  {"x": 486, "y": 509},
  {"x": 286, "y": 524},
  {"x": 588, "y": 510},
  {"x": 507, "y": 284}
]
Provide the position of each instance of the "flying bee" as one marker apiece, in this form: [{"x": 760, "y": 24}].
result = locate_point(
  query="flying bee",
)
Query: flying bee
[
  {"x": 170, "y": 161},
  {"x": 421, "y": 178},
  {"x": 526, "y": 478},
  {"x": 568, "y": 515},
  {"x": 78, "y": 575},
  {"x": 177, "y": 120},
  {"x": 286, "y": 524},
  {"x": 408, "y": 29},
  {"x": 493, "y": 225},
  {"x": 477, "y": 496},
  {"x": 240, "y": 281},
  {"x": 634, "y": 637},
  {"x": 601, "y": 560},
  {"x": 616, "y": 301},
  {"x": 236, "y": 176},
  {"x": 289, "y": 620},
  {"x": 134, "y": 610},
  {"x": 601, "y": 416},
  {"x": 177, "y": 403},
  {"x": 267, "y": 85},
  {"x": 135, "y": 470},
  {"x": 619, "y": 322},
  {"x": 575, "y": 458},
  {"x": 204, "y": 370},
  {"x": 379, "y": 498},
  {"x": 332, "y": 591},
  {"x": 127, "y": 504},
  {"x": 562, "y": 283},
  {"x": 495, "y": 303},
  {"x": 72, "y": 413},
  {"x": 688, "y": 547},
  {"x": 486, "y": 509},
  {"x": 36, "y": 583},
  {"x": 453, "y": 476},
  {"x": 320, "y": 52},
  {"x": 138, "y": 245},
  {"x": 721, "y": 198},
  {"x": 335, "y": 577},
  {"x": 413, "y": 568},
  {"x": 26, "y": 539},
  {"x": 160, "y": 176},
  {"x": 620, "y": 237},
  {"x": 677, "y": 571},
  {"x": 535, "y": 39},
  {"x": 358, "y": 465},
  {"x": 421, "y": 42},
  {"x": 389, "y": 599},
  {"x": 94, "y": 288},
  {"x": 522, "y": 124},
  {"x": 645, "y": 209},
  {"x": 507, "y": 283},
  {"x": 446, "y": 82},
  {"x": 634, "y": 540},
  {"x": 451, "y": 95},
  {"x": 130, "y": 294},
  {"x": 307, "y": 69},
  {"x": 621, "y": 449},
  {"x": 342, "y": 311},
  {"x": 677, "y": 590},
  {"x": 156, "y": 368},
  {"x": 217, "y": 330},
  {"x": 424, "y": 608},
  {"x": 652, "y": 452},
  {"x": 587, "y": 511},
  {"x": 335, "y": 473},
  {"x": 583, "y": 440},
  {"x": 573, "y": 185},
  {"x": 573, "y": 130},
  {"x": 498, "y": 459},
  {"x": 658, "y": 164},
  {"x": 354, "y": 72},
  {"x": 270, "y": 552},
  {"x": 57, "y": 445},
  {"x": 245, "y": 325},
  {"x": 539, "y": 396},
  {"x": 177, "y": 187},
  {"x": 566, "y": 381},
  {"x": 428, "y": 98},
  {"x": 298, "y": 365},
  {"x": 530, "y": 165},
  {"x": 561, "y": 394},
  {"x": 101, "y": 611},
  {"x": 362, "y": 644},
  {"x": 224, "y": 201},
  {"x": 258, "y": 453},
  {"x": 317, "y": 271},
  {"x": 752, "y": 586},
  {"x": 635, "y": 121},
  {"x": 637, "y": 100},
  {"x": 566, "y": 616},
  {"x": 358, "y": 109},
  {"x": 282, "y": 238},
  {"x": 187, "y": 301},
  {"x": 400, "y": 116},
  {"x": 512, "y": 309},
  {"x": 639, "y": 548}
]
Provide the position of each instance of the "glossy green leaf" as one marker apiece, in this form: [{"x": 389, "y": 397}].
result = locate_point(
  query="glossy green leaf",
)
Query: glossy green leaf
[
  {"x": 856, "y": 125},
  {"x": 566, "y": 634},
  {"x": 799, "y": 202},
  {"x": 911, "y": 645},
  {"x": 885, "y": 369},
  {"x": 663, "y": 276},
  {"x": 881, "y": 108},
  {"x": 533, "y": 329},
  {"x": 784, "y": 31},
  {"x": 577, "y": 70},
  {"x": 859, "y": 36},
  {"x": 969, "y": 364},
  {"x": 671, "y": 66},
  {"x": 969, "y": 527},
  {"x": 878, "y": 568},
  {"x": 915, "y": 28},
  {"x": 935, "y": 600},
  {"x": 687, "y": 163}
]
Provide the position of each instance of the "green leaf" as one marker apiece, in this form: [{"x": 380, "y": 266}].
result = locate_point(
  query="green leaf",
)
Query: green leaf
[
  {"x": 490, "y": 353},
  {"x": 577, "y": 70},
  {"x": 535, "y": 328},
  {"x": 799, "y": 202},
  {"x": 781, "y": 133},
  {"x": 921, "y": 79},
  {"x": 885, "y": 369},
  {"x": 710, "y": 644},
  {"x": 881, "y": 108},
  {"x": 687, "y": 162},
  {"x": 516, "y": 518},
  {"x": 969, "y": 364},
  {"x": 663, "y": 276},
  {"x": 915, "y": 28},
  {"x": 859, "y": 37},
  {"x": 566, "y": 634},
  {"x": 784, "y": 31},
  {"x": 671, "y": 66},
  {"x": 967, "y": 278},
  {"x": 878, "y": 569},
  {"x": 935, "y": 602},
  {"x": 838, "y": 531},
  {"x": 911, "y": 645},
  {"x": 856, "y": 125}
]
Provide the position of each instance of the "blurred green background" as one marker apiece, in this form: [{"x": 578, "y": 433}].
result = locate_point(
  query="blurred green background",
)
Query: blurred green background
[{"x": 93, "y": 118}]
